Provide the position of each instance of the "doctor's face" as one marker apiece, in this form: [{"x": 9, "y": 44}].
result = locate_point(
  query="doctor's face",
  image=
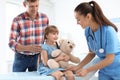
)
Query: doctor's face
[{"x": 81, "y": 20}]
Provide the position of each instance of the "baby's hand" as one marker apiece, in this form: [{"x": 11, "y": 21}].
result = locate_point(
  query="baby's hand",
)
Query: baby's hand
[
  {"x": 65, "y": 57},
  {"x": 60, "y": 58}
]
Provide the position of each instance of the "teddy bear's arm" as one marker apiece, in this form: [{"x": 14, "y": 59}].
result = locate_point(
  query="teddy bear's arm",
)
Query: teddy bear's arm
[
  {"x": 74, "y": 59},
  {"x": 56, "y": 53}
]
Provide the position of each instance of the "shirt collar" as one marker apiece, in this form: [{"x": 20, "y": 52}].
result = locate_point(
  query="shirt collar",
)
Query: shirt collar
[{"x": 26, "y": 15}]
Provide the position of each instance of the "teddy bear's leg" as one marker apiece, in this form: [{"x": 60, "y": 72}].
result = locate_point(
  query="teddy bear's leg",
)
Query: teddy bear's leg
[
  {"x": 63, "y": 64},
  {"x": 52, "y": 64}
]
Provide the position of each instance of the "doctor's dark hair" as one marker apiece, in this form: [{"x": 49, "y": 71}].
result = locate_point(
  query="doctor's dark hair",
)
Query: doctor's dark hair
[
  {"x": 50, "y": 29},
  {"x": 30, "y": 0},
  {"x": 94, "y": 9}
]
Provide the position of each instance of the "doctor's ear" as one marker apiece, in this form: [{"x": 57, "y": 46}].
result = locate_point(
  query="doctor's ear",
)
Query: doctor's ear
[{"x": 89, "y": 16}]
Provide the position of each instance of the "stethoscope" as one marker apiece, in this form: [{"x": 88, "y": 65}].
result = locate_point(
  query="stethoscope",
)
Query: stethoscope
[{"x": 101, "y": 50}]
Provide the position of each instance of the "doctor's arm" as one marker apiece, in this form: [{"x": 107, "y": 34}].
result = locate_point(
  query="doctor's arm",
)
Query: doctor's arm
[
  {"x": 86, "y": 60},
  {"x": 105, "y": 62}
]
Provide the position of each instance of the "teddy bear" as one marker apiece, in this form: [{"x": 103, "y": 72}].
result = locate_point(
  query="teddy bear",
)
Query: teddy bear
[{"x": 65, "y": 49}]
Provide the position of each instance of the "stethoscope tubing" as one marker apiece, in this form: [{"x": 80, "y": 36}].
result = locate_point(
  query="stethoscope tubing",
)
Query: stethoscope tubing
[{"x": 101, "y": 50}]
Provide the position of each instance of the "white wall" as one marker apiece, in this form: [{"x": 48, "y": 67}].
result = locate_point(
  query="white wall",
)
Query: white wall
[
  {"x": 47, "y": 7},
  {"x": 2, "y": 35}
]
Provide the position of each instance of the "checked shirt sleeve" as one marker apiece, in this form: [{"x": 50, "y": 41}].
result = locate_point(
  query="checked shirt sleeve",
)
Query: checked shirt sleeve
[{"x": 14, "y": 35}]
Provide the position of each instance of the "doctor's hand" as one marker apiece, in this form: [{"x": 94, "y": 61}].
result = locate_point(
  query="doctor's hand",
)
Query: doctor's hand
[
  {"x": 81, "y": 72},
  {"x": 73, "y": 68}
]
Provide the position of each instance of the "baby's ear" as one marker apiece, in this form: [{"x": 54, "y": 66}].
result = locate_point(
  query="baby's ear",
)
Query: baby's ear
[{"x": 61, "y": 41}]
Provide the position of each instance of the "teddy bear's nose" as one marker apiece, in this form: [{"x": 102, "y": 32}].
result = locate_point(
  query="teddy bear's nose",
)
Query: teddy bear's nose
[{"x": 71, "y": 46}]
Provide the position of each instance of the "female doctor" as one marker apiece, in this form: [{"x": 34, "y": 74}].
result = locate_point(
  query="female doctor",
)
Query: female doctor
[{"x": 102, "y": 40}]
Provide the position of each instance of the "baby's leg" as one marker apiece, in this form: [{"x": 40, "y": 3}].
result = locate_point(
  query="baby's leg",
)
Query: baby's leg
[
  {"x": 69, "y": 75},
  {"x": 58, "y": 75}
]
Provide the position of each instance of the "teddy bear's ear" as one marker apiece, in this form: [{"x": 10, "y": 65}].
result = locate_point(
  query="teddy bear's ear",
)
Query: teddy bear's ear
[
  {"x": 61, "y": 41},
  {"x": 74, "y": 44}
]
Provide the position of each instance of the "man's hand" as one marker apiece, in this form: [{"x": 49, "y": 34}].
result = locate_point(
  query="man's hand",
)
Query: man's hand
[
  {"x": 35, "y": 48},
  {"x": 32, "y": 48}
]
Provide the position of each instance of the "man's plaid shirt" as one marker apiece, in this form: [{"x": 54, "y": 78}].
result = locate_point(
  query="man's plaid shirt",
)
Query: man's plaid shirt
[{"x": 25, "y": 31}]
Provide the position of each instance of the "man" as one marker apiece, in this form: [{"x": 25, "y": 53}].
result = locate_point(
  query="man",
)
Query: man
[{"x": 27, "y": 34}]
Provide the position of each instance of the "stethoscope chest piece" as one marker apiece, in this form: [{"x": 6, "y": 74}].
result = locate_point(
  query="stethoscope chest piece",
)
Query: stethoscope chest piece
[{"x": 101, "y": 50}]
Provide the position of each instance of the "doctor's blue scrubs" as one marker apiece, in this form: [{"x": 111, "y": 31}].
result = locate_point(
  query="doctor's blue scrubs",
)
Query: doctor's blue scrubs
[{"x": 106, "y": 38}]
